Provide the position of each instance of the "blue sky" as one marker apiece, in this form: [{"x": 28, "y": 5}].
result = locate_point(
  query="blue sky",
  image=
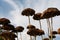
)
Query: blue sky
[{"x": 12, "y": 9}]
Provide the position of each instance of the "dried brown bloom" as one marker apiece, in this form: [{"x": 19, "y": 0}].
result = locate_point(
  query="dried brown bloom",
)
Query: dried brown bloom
[
  {"x": 35, "y": 32},
  {"x": 54, "y": 32},
  {"x": 46, "y": 39},
  {"x": 32, "y": 32},
  {"x": 8, "y": 34},
  {"x": 28, "y": 12},
  {"x": 53, "y": 36},
  {"x": 30, "y": 27},
  {"x": 37, "y": 16},
  {"x": 41, "y": 32},
  {"x": 50, "y": 12},
  {"x": 4, "y": 21},
  {"x": 58, "y": 31},
  {"x": 8, "y": 27},
  {"x": 19, "y": 29}
]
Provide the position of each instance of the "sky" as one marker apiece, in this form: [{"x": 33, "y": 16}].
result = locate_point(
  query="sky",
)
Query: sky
[{"x": 12, "y": 9}]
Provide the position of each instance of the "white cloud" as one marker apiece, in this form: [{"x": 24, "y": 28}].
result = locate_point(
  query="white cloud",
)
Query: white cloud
[
  {"x": 12, "y": 4},
  {"x": 16, "y": 13},
  {"x": 53, "y": 3}
]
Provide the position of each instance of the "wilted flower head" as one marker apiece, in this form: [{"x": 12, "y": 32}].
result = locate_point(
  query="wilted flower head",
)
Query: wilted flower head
[{"x": 28, "y": 12}]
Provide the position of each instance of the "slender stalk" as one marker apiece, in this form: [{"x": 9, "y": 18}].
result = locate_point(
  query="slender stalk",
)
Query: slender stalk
[
  {"x": 51, "y": 27},
  {"x": 42, "y": 37},
  {"x": 40, "y": 28},
  {"x": 20, "y": 36},
  {"x": 40, "y": 24},
  {"x": 29, "y": 24},
  {"x": 52, "y": 23},
  {"x": 54, "y": 38},
  {"x": 29, "y": 19},
  {"x": 35, "y": 37},
  {"x": 8, "y": 38},
  {"x": 17, "y": 35},
  {"x": 30, "y": 38},
  {"x": 48, "y": 25},
  {"x": 0, "y": 30}
]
